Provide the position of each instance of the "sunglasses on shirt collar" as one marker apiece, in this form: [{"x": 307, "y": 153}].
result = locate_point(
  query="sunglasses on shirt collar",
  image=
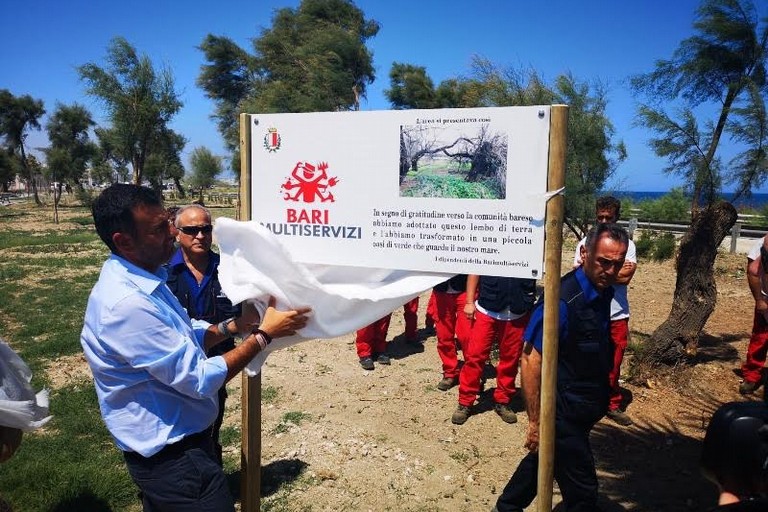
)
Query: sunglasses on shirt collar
[{"x": 194, "y": 230}]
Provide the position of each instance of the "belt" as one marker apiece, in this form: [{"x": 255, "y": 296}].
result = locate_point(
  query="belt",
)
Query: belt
[{"x": 202, "y": 439}]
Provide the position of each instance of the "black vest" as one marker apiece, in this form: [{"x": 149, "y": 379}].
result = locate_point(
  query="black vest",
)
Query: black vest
[
  {"x": 585, "y": 355},
  {"x": 217, "y": 307},
  {"x": 457, "y": 282},
  {"x": 499, "y": 293}
]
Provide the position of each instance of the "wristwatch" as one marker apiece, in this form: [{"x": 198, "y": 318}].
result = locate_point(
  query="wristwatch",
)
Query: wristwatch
[{"x": 222, "y": 327}]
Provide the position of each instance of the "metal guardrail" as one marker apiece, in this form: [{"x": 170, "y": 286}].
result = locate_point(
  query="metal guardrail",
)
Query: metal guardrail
[{"x": 737, "y": 231}]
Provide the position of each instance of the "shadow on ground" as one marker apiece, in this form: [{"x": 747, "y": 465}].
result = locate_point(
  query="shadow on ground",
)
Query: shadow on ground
[
  {"x": 655, "y": 465},
  {"x": 85, "y": 500},
  {"x": 280, "y": 472}
]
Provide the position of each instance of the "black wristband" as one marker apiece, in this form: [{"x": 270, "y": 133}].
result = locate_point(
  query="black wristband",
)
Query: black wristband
[{"x": 267, "y": 337}]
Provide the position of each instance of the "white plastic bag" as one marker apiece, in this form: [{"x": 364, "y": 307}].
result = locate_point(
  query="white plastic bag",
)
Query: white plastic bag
[{"x": 20, "y": 407}]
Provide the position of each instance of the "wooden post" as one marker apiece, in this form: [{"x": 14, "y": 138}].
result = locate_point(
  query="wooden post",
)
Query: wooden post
[
  {"x": 558, "y": 138},
  {"x": 735, "y": 232},
  {"x": 632, "y": 226},
  {"x": 250, "y": 449}
]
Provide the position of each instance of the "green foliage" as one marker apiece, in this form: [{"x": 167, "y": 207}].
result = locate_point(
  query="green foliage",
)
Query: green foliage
[
  {"x": 269, "y": 394},
  {"x": 722, "y": 64},
  {"x": 644, "y": 244},
  {"x": 671, "y": 207},
  {"x": 205, "y": 167},
  {"x": 81, "y": 467},
  {"x": 665, "y": 247},
  {"x": 140, "y": 102},
  {"x": 430, "y": 185},
  {"x": 313, "y": 58},
  {"x": 655, "y": 246},
  {"x": 17, "y": 116},
  {"x": 291, "y": 418}
]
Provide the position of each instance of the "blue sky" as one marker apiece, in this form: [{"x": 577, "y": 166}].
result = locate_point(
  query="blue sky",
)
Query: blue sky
[{"x": 43, "y": 41}]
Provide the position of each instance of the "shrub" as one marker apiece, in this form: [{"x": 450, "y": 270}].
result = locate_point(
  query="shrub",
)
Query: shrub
[
  {"x": 644, "y": 244},
  {"x": 665, "y": 247},
  {"x": 656, "y": 246}
]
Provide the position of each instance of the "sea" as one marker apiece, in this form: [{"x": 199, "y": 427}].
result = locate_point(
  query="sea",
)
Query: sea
[{"x": 755, "y": 201}]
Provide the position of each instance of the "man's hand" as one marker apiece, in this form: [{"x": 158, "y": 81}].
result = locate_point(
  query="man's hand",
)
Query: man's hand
[
  {"x": 278, "y": 324},
  {"x": 532, "y": 437},
  {"x": 469, "y": 310}
]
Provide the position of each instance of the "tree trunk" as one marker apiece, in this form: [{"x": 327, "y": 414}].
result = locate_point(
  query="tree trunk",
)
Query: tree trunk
[
  {"x": 180, "y": 188},
  {"x": 695, "y": 290}
]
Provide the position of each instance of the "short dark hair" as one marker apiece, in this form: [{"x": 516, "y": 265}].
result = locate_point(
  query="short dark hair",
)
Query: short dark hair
[
  {"x": 608, "y": 203},
  {"x": 735, "y": 449},
  {"x": 614, "y": 232},
  {"x": 113, "y": 210}
]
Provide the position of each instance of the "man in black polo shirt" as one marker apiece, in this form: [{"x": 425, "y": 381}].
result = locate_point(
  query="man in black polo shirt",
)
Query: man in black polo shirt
[
  {"x": 193, "y": 277},
  {"x": 585, "y": 358}
]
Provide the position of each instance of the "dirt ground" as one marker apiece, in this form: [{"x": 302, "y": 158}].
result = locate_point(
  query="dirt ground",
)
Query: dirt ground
[{"x": 337, "y": 437}]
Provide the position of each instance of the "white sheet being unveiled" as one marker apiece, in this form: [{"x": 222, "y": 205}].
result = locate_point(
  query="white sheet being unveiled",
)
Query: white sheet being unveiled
[{"x": 254, "y": 266}]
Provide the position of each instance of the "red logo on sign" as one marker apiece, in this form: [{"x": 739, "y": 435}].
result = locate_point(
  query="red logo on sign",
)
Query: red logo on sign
[{"x": 309, "y": 182}]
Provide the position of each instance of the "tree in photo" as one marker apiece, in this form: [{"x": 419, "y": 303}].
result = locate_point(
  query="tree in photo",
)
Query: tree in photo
[
  {"x": 205, "y": 167},
  {"x": 140, "y": 101},
  {"x": 313, "y": 58},
  {"x": 18, "y": 115},
  {"x": 71, "y": 149},
  {"x": 721, "y": 68}
]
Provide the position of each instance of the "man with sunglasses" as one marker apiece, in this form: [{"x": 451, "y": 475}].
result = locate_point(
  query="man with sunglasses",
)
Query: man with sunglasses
[{"x": 193, "y": 277}]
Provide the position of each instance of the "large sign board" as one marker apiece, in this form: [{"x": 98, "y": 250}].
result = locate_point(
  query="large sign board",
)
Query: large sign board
[{"x": 450, "y": 190}]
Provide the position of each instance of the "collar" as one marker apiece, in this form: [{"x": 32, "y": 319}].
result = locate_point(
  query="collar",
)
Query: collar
[
  {"x": 590, "y": 292},
  {"x": 145, "y": 281},
  {"x": 177, "y": 264}
]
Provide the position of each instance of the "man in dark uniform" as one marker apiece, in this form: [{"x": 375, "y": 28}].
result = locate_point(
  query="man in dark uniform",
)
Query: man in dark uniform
[
  {"x": 193, "y": 277},
  {"x": 584, "y": 361}
]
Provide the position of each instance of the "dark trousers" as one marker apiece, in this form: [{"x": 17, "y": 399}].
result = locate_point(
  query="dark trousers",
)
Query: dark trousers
[
  {"x": 574, "y": 472},
  {"x": 183, "y": 477}
]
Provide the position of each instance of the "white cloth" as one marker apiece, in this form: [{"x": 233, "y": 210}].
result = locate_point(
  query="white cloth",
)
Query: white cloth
[
  {"x": 620, "y": 302},
  {"x": 255, "y": 266},
  {"x": 20, "y": 407}
]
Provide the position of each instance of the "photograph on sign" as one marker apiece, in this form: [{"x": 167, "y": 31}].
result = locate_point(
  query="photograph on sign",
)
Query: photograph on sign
[
  {"x": 453, "y": 161},
  {"x": 450, "y": 190}
]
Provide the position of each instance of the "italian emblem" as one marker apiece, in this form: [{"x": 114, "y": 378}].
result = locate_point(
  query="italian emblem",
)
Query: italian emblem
[{"x": 272, "y": 140}]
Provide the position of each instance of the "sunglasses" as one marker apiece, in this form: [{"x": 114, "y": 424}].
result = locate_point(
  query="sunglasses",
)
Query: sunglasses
[{"x": 194, "y": 230}]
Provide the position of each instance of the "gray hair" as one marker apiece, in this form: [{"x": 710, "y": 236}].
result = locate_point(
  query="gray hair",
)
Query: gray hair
[
  {"x": 181, "y": 210},
  {"x": 612, "y": 231}
]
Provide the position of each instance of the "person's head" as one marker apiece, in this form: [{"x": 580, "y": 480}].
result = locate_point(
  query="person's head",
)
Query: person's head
[
  {"x": 172, "y": 211},
  {"x": 735, "y": 449},
  {"x": 607, "y": 210},
  {"x": 193, "y": 224},
  {"x": 603, "y": 254},
  {"x": 131, "y": 220}
]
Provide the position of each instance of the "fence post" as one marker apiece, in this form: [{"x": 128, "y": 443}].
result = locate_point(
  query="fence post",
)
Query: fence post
[
  {"x": 735, "y": 230},
  {"x": 631, "y": 227}
]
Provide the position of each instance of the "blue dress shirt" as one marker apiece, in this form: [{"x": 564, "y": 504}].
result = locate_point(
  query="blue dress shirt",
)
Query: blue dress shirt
[{"x": 154, "y": 383}]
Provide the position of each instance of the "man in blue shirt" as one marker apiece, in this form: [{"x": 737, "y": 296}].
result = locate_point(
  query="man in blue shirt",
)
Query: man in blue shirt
[
  {"x": 157, "y": 389},
  {"x": 193, "y": 277},
  {"x": 585, "y": 357}
]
